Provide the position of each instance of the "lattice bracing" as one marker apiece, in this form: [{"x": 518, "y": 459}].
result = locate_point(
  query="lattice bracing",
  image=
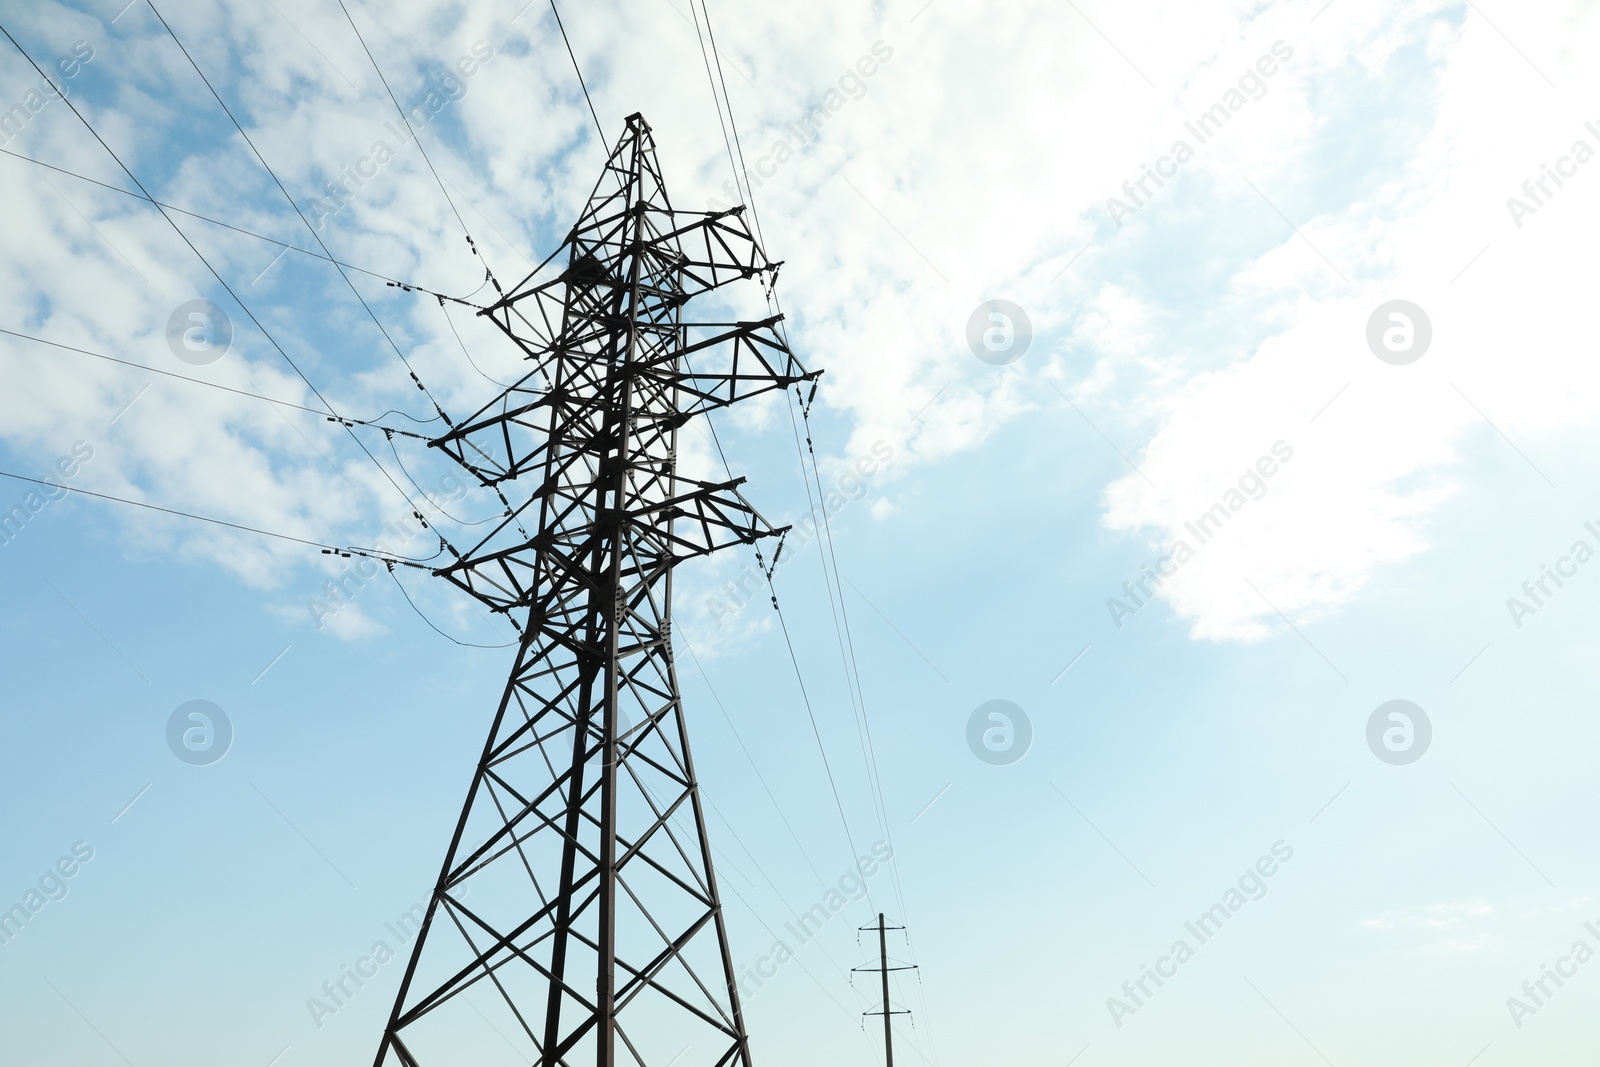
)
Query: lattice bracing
[{"x": 576, "y": 916}]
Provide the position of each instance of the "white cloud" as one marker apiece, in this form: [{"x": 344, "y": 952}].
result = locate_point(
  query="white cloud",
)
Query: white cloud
[
  {"x": 1374, "y": 467},
  {"x": 974, "y": 163}
]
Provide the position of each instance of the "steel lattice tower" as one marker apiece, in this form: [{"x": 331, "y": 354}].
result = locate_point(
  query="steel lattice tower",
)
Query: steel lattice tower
[{"x": 577, "y": 911}]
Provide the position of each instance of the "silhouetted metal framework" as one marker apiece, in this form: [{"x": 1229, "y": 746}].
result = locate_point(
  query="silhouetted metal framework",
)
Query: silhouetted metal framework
[
  {"x": 576, "y": 916},
  {"x": 889, "y": 1011}
]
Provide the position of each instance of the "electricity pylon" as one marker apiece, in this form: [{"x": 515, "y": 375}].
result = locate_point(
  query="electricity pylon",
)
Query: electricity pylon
[
  {"x": 577, "y": 913},
  {"x": 888, "y": 1011}
]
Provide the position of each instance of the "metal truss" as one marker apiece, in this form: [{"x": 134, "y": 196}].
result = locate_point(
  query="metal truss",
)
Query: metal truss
[{"x": 576, "y": 916}]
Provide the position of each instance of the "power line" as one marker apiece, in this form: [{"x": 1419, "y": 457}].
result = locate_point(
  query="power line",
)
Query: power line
[
  {"x": 792, "y": 656},
  {"x": 747, "y": 755},
  {"x": 727, "y": 862},
  {"x": 473, "y": 363},
  {"x": 401, "y": 464},
  {"x": 846, "y": 639},
  {"x": 773, "y": 299},
  {"x": 389, "y": 562},
  {"x": 396, "y": 282},
  {"x": 853, "y": 666},
  {"x": 416, "y": 140},
  {"x": 218, "y": 386},
  {"x": 758, "y": 917},
  {"x": 579, "y": 71},
  {"x": 315, "y": 235},
  {"x": 710, "y": 33},
  {"x": 327, "y": 549},
  {"x": 857, "y": 695},
  {"x": 735, "y": 833},
  {"x": 857, "y": 700},
  {"x": 717, "y": 100},
  {"x": 435, "y": 629},
  {"x": 739, "y": 169},
  {"x": 204, "y": 261},
  {"x": 863, "y": 724},
  {"x": 327, "y": 254},
  {"x": 815, "y": 730}
]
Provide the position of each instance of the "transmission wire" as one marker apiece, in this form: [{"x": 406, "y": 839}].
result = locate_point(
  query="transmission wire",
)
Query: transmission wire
[
  {"x": 466, "y": 353},
  {"x": 768, "y": 878},
  {"x": 318, "y": 237},
  {"x": 815, "y": 730},
  {"x": 402, "y": 465},
  {"x": 205, "y": 262},
  {"x": 726, "y": 863},
  {"x": 747, "y": 755},
  {"x": 327, "y": 549},
  {"x": 417, "y": 141},
  {"x": 863, "y": 723},
  {"x": 857, "y": 699},
  {"x": 216, "y": 385},
  {"x": 441, "y": 633},
  {"x": 840, "y": 612},
  {"x": 579, "y": 71},
  {"x": 853, "y": 667},
  {"x": 717, "y": 100},
  {"x": 772, "y": 298},
  {"x": 396, "y": 282},
  {"x": 755, "y": 215},
  {"x": 874, "y": 779},
  {"x": 820, "y": 747},
  {"x": 827, "y": 529}
]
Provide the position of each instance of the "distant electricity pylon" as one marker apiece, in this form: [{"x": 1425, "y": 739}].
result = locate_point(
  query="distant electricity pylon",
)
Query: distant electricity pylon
[
  {"x": 888, "y": 1011},
  {"x": 577, "y": 912}
]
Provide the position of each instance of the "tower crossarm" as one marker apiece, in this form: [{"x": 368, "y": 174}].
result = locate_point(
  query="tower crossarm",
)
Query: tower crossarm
[
  {"x": 738, "y": 360},
  {"x": 718, "y": 248},
  {"x": 575, "y": 329},
  {"x": 748, "y": 358},
  {"x": 711, "y": 251},
  {"x": 699, "y": 518}
]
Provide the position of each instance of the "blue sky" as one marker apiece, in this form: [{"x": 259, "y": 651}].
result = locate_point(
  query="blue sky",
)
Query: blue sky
[{"x": 1228, "y": 716}]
